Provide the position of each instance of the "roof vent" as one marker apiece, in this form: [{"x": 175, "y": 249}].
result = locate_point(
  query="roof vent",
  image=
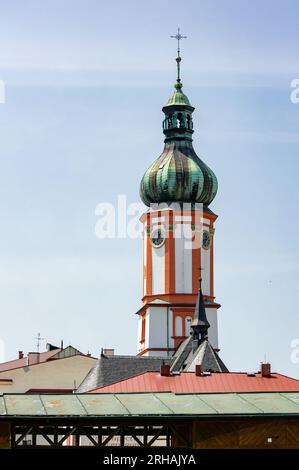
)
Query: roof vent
[
  {"x": 21, "y": 354},
  {"x": 250, "y": 374},
  {"x": 206, "y": 373}
]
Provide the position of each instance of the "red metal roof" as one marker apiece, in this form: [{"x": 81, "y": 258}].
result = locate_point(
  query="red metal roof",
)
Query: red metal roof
[{"x": 188, "y": 382}]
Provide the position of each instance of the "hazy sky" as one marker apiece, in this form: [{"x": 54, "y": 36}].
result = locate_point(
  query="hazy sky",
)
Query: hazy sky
[{"x": 85, "y": 84}]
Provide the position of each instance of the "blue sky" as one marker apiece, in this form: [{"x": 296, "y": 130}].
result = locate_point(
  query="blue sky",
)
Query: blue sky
[{"x": 85, "y": 84}]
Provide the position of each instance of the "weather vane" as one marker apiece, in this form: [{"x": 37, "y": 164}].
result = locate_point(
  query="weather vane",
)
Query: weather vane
[{"x": 178, "y": 37}]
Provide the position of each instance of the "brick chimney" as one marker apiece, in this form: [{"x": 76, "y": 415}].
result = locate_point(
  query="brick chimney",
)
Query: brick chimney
[
  {"x": 165, "y": 370},
  {"x": 33, "y": 358},
  {"x": 266, "y": 369},
  {"x": 21, "y": 354},
  {"x": 198, "y": 370},
  {"x": 108, "y": 352}
]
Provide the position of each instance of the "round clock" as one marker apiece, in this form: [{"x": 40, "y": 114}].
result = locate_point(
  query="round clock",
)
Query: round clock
[
  {"x": 206, "y": 240},
  {"x": 157, "y": 237}
]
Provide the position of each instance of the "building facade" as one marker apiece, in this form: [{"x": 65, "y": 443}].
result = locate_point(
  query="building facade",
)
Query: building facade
[{"x": 55, "y": 370}]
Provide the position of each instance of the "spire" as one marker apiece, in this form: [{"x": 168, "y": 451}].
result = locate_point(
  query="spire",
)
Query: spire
[
  {"x": 200, "y": 324},
  {"x": 178, "y": 37},
  {"x": 196, "y": 349}
]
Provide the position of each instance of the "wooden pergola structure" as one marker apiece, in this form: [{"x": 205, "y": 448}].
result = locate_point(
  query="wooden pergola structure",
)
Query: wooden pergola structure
[{"x": 198, "y": 421}]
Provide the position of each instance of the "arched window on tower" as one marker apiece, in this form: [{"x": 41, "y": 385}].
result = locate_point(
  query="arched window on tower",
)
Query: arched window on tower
[
  {"x": 188, "y": 121},
  {"x": 178, "y": 326}
]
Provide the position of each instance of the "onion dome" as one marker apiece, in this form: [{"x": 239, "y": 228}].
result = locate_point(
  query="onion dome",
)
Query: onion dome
[
  {"x": 178, "y": 175},
  {"x": 179, "y": 98}
]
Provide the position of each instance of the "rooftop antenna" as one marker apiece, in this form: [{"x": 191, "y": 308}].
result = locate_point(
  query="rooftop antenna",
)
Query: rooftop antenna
[
  {"x": 39, "y": 339},
  {"x": 178, "y": 37}
]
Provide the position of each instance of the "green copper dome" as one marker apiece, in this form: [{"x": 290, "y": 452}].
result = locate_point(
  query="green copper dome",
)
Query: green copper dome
[
  {"x": 179, "y": 98},
  {"x": 178, "y": 175}
]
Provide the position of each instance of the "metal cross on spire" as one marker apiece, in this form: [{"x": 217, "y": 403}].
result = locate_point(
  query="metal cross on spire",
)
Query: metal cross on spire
[{"x": 178, "y": 37}]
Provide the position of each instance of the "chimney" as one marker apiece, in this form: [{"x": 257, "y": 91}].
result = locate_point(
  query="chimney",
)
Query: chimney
[
  {"x": 198, "y": 370},
  {"x": 33, "y": 358},
  {"x": 108, "y": 352},
  {"x": 21, "y": 354},
  {"x": 165, "y": 370},
  {"x": 266, "y": 369},
  {"x": 61, "y": 344}
]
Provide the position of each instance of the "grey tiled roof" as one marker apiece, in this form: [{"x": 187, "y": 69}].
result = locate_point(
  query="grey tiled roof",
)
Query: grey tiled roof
[
  {"x": 185, "y": 358},
  {"x": 115, "y": 368}
]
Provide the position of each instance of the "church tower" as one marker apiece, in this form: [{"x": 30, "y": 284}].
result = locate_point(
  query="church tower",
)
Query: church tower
[{"x": 178, "y": 235}]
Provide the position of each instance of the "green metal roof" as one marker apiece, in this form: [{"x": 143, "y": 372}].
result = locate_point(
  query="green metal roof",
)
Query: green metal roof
[
  {"x": 178, "y": 175},
  {"x": 178, "y": 98},
  {"x": 149, "y": 404}
]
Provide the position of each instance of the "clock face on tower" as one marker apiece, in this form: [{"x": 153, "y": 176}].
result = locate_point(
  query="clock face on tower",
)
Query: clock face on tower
[
  {"x": 157, "y": 238},
  {"x": 206, "y": 240}
]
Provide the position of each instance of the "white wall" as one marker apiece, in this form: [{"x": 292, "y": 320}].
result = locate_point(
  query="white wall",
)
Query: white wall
[
  {"x": 183, "y": 260},
  {"x": 56, "y": 374},
  {"x": 158, "y": 353},
  {"x": 144, "y": 261},
  {"x": 158, "y": 270},
  {"x": 179, "y": 325},
  {"x": 157, "y": 324},
  {"x": 205, "y": 264},
  {"x": 213, "y": 330}
]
